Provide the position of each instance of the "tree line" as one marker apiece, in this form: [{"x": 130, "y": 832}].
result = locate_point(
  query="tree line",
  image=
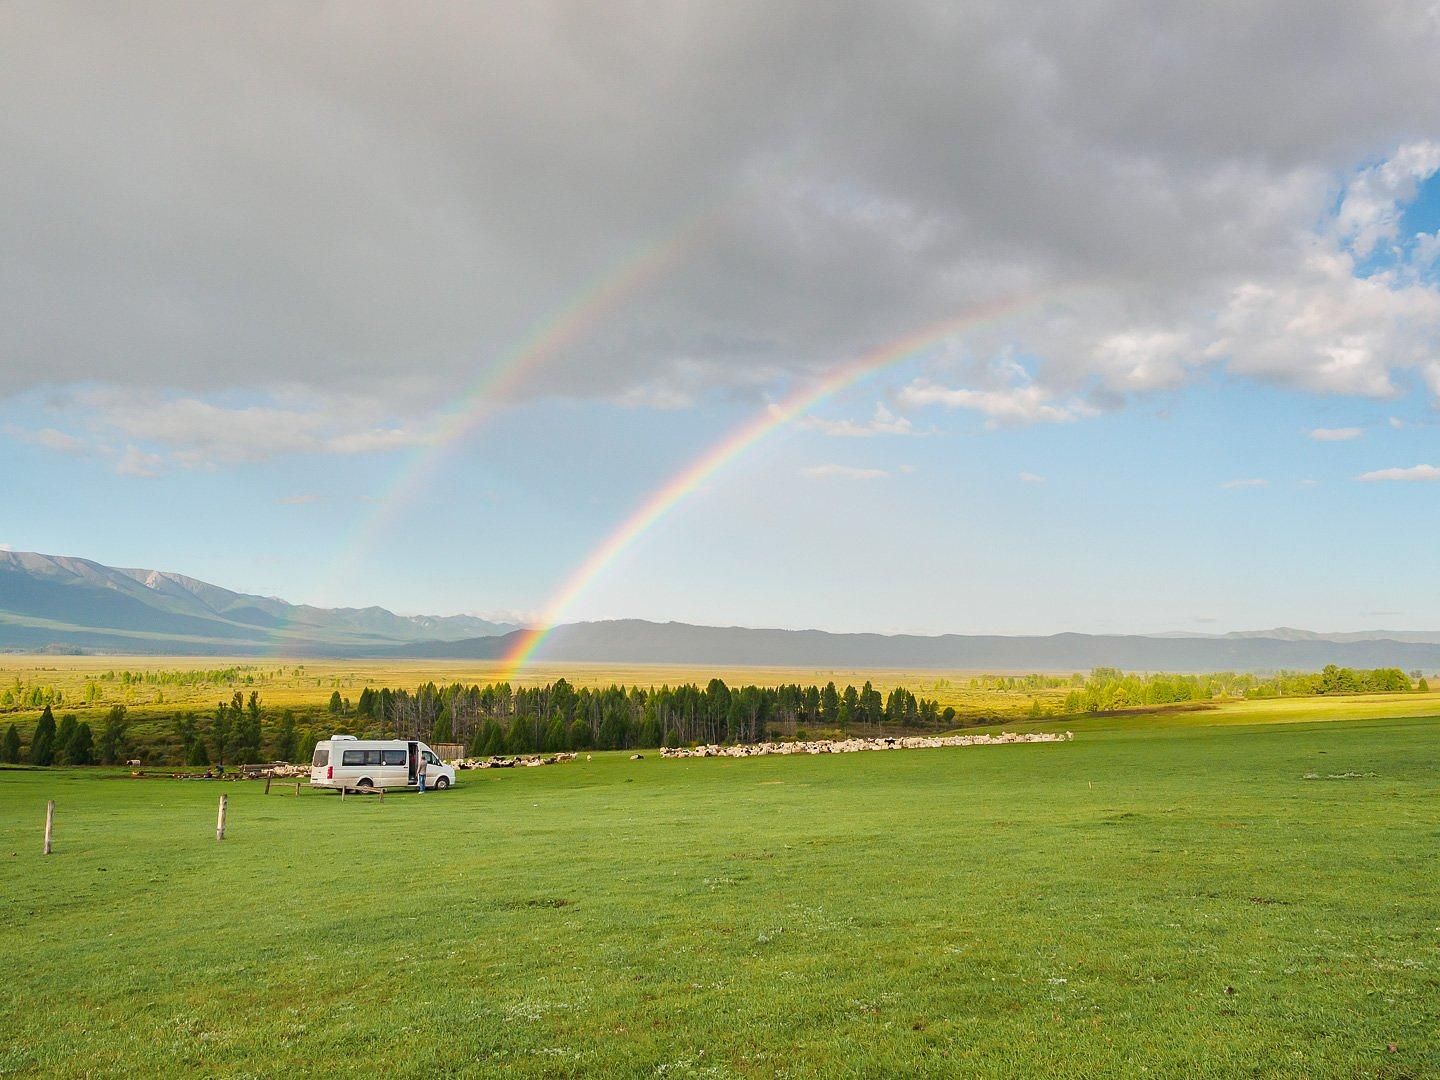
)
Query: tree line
[
  {"x": 1107, "y": 689},
  {"x": 70, "y": 742},
  {"x": 500, "y": 719}
]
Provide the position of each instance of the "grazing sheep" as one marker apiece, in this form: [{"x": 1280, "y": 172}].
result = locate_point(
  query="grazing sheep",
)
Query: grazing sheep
[{"x": 850, "y": 746}]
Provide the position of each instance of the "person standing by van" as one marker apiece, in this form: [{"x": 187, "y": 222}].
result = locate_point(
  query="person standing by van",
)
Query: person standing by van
[{"x": 420, "y": 773}]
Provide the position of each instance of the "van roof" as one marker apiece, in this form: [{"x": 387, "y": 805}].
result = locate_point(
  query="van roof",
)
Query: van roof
[{"x": 342, "y": 738}]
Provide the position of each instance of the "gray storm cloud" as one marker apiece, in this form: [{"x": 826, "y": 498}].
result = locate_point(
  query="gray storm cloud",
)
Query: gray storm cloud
[{"x": 383, "y": 199}]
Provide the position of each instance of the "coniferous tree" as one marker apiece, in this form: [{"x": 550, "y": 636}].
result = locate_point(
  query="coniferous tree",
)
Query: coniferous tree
[
  {"x": 222, "y": 734},
  {"x": 80, "y": 747},
  {"x": 10, "y": 751},
  {"x": 113, "y": 747},
  {"x": 555, "y": 735},
  {"x": 443, "y": 729},
  {"x": 42, "y": 743},
  {"x": 62, "y": 739},
  {"x": 245, "y": 722},
  {"x": 286, "y": 737},
  {"x": 579, "y": 734}
]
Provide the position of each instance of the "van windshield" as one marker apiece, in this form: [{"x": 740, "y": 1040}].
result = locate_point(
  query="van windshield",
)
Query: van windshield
[{"x": 322, "y": 755}]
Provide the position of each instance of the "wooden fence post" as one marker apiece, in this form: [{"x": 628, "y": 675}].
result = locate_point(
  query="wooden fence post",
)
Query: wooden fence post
[
  {"x": 220, "y": 819},
  {"x": 49, "y": 823},
  {"x": 297, "y": 789},
  {"x": 267, "y": 785}
]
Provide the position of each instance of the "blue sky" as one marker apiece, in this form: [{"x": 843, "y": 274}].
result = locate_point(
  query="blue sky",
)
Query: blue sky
[
  {"x": 1142, "y": 519},
  {"x": 232, "y": 324}
]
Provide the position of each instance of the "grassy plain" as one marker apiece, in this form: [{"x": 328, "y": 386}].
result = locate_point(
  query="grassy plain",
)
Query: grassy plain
[{"x": 1161, "y": 895}]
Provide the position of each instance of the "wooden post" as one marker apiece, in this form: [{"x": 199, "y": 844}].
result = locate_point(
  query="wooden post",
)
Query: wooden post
[
  {"x": 342, "y": 792},
  {"x": 220, "y": 819},
  {"x": 297, "y": 789},
  {"x": 382, "y": 794},
  {"x": 267, "y": 785},
  {"x": 49, "y": 823}
]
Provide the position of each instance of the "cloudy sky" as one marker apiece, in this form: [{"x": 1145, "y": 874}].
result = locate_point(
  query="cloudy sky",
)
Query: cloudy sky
[{"x": 417, "y": 304}]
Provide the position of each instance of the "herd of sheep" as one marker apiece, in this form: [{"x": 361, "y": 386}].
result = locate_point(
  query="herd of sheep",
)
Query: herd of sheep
[{"x": 850, "y": 746}]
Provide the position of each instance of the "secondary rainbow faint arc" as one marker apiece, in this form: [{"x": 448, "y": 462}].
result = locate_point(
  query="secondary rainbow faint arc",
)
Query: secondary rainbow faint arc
[
  {"x": 732, "y": 446},
  {"x": 600, "y": 297}
]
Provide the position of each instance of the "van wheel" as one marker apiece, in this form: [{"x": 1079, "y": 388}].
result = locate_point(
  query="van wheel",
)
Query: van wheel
[
  {"x": 365, "y": 783},
  {"x": 442, "y": 783}
]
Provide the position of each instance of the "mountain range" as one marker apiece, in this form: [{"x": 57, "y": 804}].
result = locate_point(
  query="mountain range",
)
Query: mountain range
[{"x": 60, "y": 603}]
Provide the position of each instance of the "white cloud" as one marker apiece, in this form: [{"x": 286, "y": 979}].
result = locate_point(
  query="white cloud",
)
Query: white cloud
[
  {"x": 1371, "y": 209},
  {"x": 1413, "y": 473},
  {"x": 1426, "y": 252},
  {"x": 1137, "y": 360},
  {"x": 1031, "y": 478},
  {"x": 842, "y": 472},
  {"x": 1396, "y": 423},
  {"x": 133, "y": 461},
  {"x": 297, "y": 500},
  {"x": 1325, "y": 329},
  {"x": 1027, "y": 404},
  {"x": 161, "y": 432},
  {"x": 1252, "y": 482},
  {"x": 883, "y": 422},
  {"x": 50, "y": 439},
  {"x": 1342, "y": 434}
]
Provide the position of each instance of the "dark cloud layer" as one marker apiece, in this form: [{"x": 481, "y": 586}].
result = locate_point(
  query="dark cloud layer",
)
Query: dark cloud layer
[{"x": 372, "y": 198}]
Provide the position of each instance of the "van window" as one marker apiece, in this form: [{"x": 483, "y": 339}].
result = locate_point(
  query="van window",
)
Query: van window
[
  {"x": 354, "y": 757},
  {"x": 431, "y": 758},
  {"x": 322, "y": 756},
  {"x": 392, "y": 757}
]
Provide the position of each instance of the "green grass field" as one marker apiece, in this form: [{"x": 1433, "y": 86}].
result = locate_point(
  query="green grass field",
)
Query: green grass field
[{"x": 1177, "y": 898}]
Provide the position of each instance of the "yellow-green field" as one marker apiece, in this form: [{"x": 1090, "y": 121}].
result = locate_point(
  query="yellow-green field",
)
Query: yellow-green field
[{"x": 303, "y": 684}]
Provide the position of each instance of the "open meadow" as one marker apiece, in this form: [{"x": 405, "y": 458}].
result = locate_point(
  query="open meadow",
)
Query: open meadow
[
  {"x": 156, "y": 691},
  {"x": 1161, "y": 895}
]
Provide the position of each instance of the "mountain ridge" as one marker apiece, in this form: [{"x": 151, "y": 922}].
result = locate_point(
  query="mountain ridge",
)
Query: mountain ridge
[
  {"x": 83, "y": 603},
  {"x": 65, "y": 603},
  {"x": 634, "y": 640}
]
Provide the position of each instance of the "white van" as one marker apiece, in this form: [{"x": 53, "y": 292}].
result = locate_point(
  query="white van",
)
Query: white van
[{"x": 345, "y": 761}]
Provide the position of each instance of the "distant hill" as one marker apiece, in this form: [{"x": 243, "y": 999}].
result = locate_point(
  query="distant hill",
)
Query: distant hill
[
  {"x": 633, "y": 640},
  {"x": 57, "y": 603}
]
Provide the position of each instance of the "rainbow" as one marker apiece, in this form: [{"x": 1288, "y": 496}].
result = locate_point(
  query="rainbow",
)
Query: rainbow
[{"x": 689, "y": 479}]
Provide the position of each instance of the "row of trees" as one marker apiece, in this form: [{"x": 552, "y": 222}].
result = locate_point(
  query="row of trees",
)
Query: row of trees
[
  {"x": 499, "y": 718},
  {"x": 1110, "y": 688},
  {"x": 71, "y": 742}
]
